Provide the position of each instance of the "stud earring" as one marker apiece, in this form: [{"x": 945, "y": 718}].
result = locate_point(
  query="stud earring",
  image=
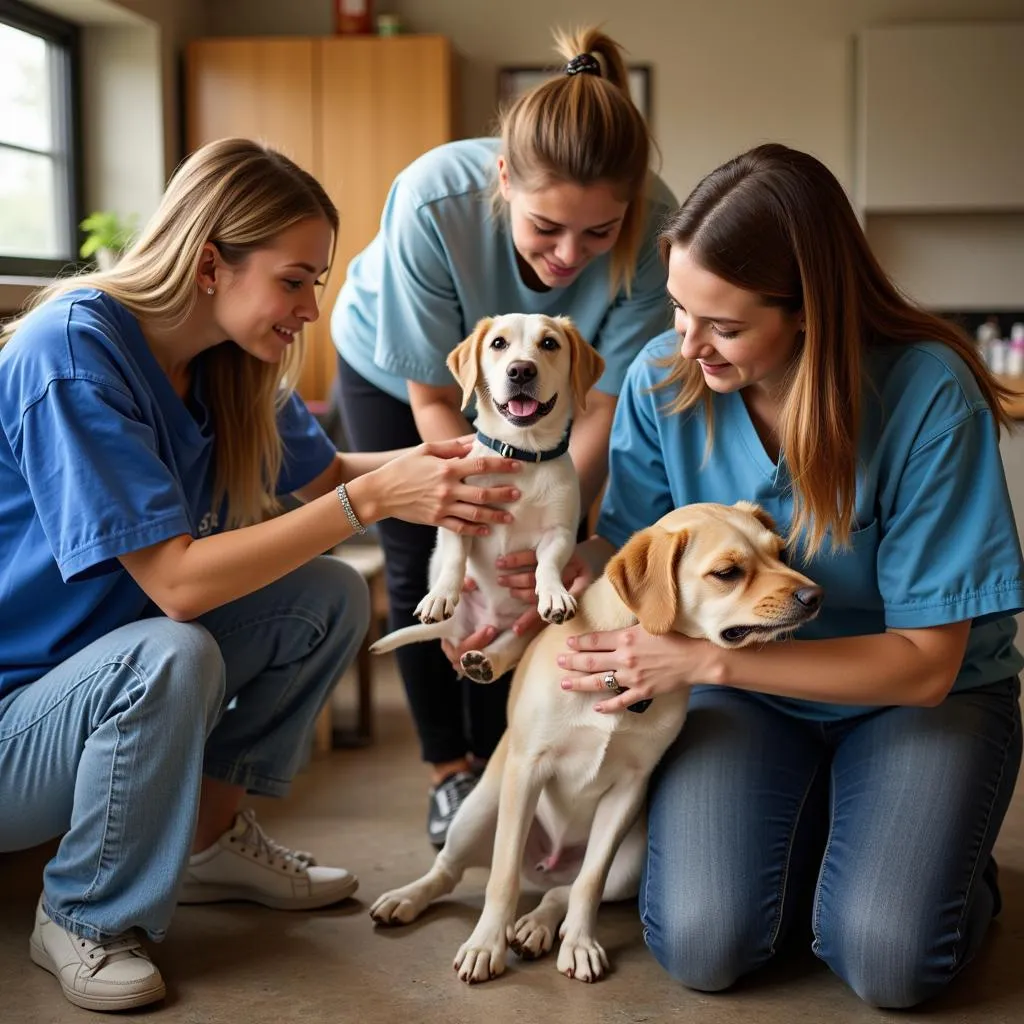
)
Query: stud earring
[{"x": 209, "y": 291}]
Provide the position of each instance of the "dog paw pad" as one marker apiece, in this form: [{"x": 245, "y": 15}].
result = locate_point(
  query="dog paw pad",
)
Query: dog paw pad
[{"x": 477, "y": 666}]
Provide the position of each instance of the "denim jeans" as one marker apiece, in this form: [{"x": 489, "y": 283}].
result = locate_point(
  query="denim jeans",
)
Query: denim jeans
[
  {"x": 108, "y": 749},
  {"x": 882, "y": 827}
]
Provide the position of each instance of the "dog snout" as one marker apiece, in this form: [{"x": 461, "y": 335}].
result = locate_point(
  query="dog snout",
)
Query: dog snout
[
  {"x": 522, "y": 371},
  {"x": 809, "y": 597}
]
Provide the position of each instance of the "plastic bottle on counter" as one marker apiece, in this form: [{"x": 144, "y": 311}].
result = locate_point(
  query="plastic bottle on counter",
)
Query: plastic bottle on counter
[
  {"x": 987, "y": 337},
  {"x": 1015, "y": 354}
]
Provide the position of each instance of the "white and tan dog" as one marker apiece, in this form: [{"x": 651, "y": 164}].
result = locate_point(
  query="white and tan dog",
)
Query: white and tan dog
[
  {"x": 561, "y": 801},
  {"x": 530, "y": 373}
]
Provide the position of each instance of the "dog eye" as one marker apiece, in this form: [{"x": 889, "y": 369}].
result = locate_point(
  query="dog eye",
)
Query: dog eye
[
  {"x": 733, "y": 572},
  {"x": 499, "y": 343},
  {"x": 549, "y": 345}
]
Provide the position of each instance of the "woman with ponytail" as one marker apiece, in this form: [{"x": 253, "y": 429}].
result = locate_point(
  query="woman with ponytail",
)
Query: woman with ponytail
[{"x": 558, "y": 214}]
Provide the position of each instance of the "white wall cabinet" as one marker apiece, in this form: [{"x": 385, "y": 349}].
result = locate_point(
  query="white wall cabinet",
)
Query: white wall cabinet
[{"x": 940, "y": 118}]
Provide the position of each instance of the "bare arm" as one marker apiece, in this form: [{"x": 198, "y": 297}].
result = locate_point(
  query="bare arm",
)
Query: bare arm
[
  {"x": 185, "y": 577},
  {"x": 437, "y": 411},
  {"x": 915, "y": 667},
  {"x": 901, "y": 666},
  {"x": 589, "y": 445},
  {"x": 344, "y": 468}
]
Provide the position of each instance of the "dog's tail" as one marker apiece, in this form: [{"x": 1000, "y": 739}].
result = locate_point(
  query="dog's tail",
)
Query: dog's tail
[{"x": 412, "y": 635}]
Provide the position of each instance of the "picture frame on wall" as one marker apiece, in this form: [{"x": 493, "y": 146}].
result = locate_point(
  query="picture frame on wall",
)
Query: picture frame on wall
[{"x": 515, "y": 80}]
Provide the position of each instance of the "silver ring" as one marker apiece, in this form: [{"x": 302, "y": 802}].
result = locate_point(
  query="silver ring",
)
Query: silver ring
[{"x": 609, "y": 680}]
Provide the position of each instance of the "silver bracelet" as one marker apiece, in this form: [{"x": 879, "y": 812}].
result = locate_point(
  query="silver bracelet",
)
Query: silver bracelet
[{"x": 353, "y": 519}]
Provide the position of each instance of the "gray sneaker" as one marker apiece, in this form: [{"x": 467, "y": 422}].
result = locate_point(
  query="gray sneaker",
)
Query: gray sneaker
[
  {"x": 115, "y": 974},
  {"x": 445, "y": 800}
]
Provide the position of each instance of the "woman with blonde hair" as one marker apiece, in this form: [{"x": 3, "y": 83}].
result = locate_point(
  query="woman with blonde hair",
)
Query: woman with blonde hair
[
  {"x": 853, "y": 779},
  {"x": 174, "y": 639},
  {"x": 558, "y": 214}
]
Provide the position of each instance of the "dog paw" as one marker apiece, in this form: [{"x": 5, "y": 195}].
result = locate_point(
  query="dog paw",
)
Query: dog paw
[
  {"x": 531, "y": 937},
  {"x": 436, "y": 607},
  {"x": 396, "y": 907},
  {"x": 582, "y": 958},
  {"x": 477, "y": 666},
  {"x": 480, "y": 960},
  {"x": 556, "y": 606}
]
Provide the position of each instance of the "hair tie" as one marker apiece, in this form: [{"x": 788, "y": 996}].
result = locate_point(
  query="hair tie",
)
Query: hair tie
[{"x": 584, "y": 64}]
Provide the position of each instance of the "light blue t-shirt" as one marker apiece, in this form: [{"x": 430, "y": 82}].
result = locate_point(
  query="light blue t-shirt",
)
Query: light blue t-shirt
[
  {"x": 99, "y": 456},
  {"x": 935, "y": 540},
  {"x": 442, "y": 261}
]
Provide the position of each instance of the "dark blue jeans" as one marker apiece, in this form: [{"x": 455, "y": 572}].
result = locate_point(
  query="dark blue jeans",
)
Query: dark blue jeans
[{"x": 886, "y": 821}]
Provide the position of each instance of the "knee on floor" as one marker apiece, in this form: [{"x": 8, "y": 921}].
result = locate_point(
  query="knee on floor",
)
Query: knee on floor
[
  {"x": 698, "y": 952},
  {"x": 886, "y": 963}
]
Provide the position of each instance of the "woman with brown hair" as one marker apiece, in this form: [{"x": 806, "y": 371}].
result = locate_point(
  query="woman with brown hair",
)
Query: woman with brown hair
[
  {"x": 166, "y": 642},
  {"x": 557, "y": 215},
  {"x": 862, "y": 768}
]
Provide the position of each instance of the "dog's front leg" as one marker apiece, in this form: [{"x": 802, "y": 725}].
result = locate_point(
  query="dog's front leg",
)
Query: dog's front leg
[
  {"x": 554, "y": 602},
  {"x": 482, "y": 956},
  {"x": 449, "y": 562},
  {"x": 469, "y": 844},
  {"x": 580, "y": 955}
]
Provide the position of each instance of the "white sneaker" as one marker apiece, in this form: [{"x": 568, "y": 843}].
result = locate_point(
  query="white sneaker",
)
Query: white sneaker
[
  {"x": 113, "y": 975},
  {"x": 244, "y": 864}
]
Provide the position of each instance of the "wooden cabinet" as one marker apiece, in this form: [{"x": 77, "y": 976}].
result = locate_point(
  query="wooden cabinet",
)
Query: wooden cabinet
[{"x": 352, "y": 111}]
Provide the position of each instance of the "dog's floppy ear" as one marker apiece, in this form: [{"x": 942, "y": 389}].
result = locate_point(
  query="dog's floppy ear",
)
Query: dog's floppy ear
[
  {"x": 758, "y": 513},
  {"x": 587, "y": 365},
  {"x": 464, "y": 359},
  {"x": 643, "y": 574}
]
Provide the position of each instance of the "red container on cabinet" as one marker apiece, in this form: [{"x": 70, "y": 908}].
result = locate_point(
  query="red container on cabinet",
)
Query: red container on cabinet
[{"x": 353, "y": 17}]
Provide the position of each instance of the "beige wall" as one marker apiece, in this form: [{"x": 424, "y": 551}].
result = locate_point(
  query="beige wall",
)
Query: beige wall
[{"x": 124, "y": 146}]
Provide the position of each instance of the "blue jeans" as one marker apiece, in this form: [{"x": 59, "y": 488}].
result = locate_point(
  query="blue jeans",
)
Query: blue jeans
[
  {"x": 886, "y": 821},
  {"x": 109, "y": 748}
]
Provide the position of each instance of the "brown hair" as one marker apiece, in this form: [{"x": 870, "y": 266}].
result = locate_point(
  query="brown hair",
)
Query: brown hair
[
  {"x": 584, "y": 128},
  {"x": 776, "y": 221},
  {"x": 241, "y": 196}
]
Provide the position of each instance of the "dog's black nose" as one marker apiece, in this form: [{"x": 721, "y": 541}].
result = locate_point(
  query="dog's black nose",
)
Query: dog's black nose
[
  {"x": 809, "y": 597},
  {"x": 521, "y": 370}
]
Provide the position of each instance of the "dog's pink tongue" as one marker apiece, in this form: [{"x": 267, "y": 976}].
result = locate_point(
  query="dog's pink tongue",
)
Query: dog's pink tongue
[{"x": 523, "y": 406}]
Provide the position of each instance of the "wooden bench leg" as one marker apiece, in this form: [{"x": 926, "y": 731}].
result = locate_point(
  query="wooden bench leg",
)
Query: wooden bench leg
[{"x": 362, "y": 734}]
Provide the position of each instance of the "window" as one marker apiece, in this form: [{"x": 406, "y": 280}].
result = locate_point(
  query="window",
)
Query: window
[{"x": 39, "y": 166}]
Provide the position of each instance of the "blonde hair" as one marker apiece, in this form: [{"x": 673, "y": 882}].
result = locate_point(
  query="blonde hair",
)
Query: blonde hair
[
  {"x": 584, "y": 128},
  {"x": 776, "y": 221},
  {"x": 240, "y": 196}
]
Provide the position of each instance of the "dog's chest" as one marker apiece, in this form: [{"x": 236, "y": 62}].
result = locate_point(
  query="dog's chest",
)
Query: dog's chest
[{"x": 548, "y": 497}]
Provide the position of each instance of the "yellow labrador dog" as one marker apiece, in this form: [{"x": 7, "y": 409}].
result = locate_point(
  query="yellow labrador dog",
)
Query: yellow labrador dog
[
  {"x": 561, "y": 801},
  {"x": 530, "y": 373}
]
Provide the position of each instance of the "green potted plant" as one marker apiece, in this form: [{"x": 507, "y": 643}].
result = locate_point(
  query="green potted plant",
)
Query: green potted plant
[{"x": 107, "y": 236}]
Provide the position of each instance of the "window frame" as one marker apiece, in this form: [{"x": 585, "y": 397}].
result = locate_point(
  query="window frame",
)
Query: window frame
[{"x": 65, "y": 92}]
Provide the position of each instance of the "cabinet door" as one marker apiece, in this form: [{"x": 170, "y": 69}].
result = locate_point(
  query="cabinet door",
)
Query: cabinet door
[
  {"x": 260, "y": 89},
  {"x": 939, "y": 118},
  {"x": 382, "y": 103}
]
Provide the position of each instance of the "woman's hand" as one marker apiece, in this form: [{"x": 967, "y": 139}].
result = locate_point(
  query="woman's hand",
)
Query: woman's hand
[
  {"x": 427, "y": 485},
  {"x": 644, "y": 665},
  {"x": 519, "y": 575},
  {"x": 521, "y": 582}
]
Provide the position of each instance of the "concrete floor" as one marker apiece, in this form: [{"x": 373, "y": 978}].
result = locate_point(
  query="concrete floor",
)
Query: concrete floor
[{"x": 365, "y": 809}]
